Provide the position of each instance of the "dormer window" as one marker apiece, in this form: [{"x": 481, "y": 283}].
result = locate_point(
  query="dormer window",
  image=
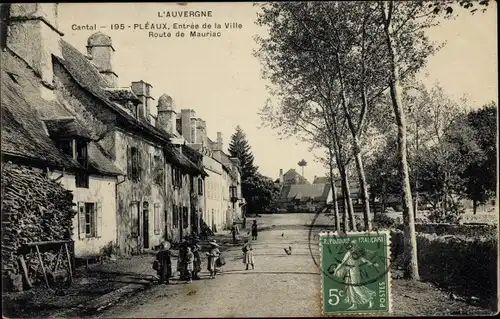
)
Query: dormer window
[{"x": 72, "y": 141}]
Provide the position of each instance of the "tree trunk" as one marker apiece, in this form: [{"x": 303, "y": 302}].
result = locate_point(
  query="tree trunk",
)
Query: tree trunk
[
  {"x": 345, "y": 219},
  {"x": 345, "y": 188},
  {"x": 363, "y": 187},
  {"x": 356, "y": 148},
  {"x": 410, "y": 270},
  {"x": 474, "y": 206},
  {"x": 334, "y": 191},
  {"x": 347, "y": 195}
]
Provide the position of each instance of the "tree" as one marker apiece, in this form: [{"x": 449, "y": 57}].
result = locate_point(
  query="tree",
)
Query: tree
[
  {"x": 480, "y": 175},
  {"x": 239, "y": 148},
  {"x": 260, "y": 192}
]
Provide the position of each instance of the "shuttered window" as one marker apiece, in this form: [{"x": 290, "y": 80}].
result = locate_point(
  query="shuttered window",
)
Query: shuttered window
[
  {"x": 89, "y": 220},
  {"x": 134, "y": 219},
  {"x": 175, "y": 221},
  {"x": 134, "y": 164},
  {"x": 185, "y": 217},
  {"x": 157, "y": 221}
]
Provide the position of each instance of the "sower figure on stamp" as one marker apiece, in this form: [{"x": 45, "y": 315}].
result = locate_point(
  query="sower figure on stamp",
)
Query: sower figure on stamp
[
  {"x": 349, "y": 271},
  {"x": 254, "y": 230}
]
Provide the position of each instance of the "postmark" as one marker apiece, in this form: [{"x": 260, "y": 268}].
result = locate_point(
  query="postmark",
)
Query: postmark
[{"x": 355, "y": 272}]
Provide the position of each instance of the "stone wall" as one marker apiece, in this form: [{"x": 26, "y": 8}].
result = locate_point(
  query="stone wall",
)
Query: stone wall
[{"x": 467, "y": 230}]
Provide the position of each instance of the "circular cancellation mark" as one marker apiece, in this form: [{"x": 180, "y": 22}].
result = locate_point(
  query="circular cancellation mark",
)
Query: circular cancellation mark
[{"x": 379, "y": 256}]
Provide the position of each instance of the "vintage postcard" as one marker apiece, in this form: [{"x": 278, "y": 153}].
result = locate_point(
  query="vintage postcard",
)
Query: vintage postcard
[{"x": 249, "y": 159}]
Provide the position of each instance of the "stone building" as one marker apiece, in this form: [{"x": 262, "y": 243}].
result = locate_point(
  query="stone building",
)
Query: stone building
[
  {"x": 39, "y": 131},
  {"x": 143, "y": 205},
  {"x": 223, "y": 198}
]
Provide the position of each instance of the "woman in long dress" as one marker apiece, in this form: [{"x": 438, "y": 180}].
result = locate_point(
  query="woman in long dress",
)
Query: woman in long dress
[
  {"x": 164, "y": 262},
  {"x": 213, "y": 254},
  {"x": 197, "y": 258},
  {"x": 349, "y": 271},
  {"x": 248, "y": 258}
]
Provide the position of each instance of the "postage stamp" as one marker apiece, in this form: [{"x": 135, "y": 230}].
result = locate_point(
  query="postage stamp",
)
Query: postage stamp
[{"x": 356, "y": 273}]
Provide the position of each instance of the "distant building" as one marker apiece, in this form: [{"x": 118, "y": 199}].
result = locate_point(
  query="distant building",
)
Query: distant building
[
  {"x": 305, "y": 197},
  {"x": 292, "y": 177},
  {"x": 298, "y": 194}
]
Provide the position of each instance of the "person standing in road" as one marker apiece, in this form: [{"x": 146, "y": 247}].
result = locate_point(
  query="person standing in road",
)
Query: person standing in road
[
  {"x": 248, "y": 258},
  {"x": 254, "y": 230},
  {"x": 189, "y": 264},
  {"x": 163, "y": 257},
  {"x": 196, "y": 248},
  {"x": 213, "y": 254},
  {"x": 234, "y": 231}
]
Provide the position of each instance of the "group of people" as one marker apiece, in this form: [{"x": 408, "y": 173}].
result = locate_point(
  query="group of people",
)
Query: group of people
[{"x": 189, "y": 259}]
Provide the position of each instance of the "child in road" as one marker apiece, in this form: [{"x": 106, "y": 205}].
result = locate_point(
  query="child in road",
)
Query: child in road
[
  {"x": 254, "y": 230},
  {"x": 248, "y": 258},
  {"x": 189, "y": 264}
]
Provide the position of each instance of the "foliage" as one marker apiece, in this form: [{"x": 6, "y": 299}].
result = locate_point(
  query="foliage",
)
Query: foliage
[
  {"x": 260, "y": 192},
  {"x": 34, "y": 208},
  {"x": 480, "y": 174},
  {"x": 110, "y": 249},
  {"x": 469, "y": 267},
  {"x": 451, "y": 214},
  {"x": 382, "y": 221},
  {"x": 239, "y": 148}
]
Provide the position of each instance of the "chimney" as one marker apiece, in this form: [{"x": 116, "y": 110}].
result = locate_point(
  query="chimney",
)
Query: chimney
[
  {"x": 194, "y": 131},
  {"x": 219, "y": 141},
  {"x": 34, "y": 35},
  {"x": 201, "y": 133},
  {"x": 143, "y": 92},
  {"x": 186, "y": 127},
  {"x": 167, "y": 117},
  {"x": 100, "y": 50},
  {"x": 281, "y": 176}
]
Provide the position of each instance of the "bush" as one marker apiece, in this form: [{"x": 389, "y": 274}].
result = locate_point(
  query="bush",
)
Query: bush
[
  {"x": 382, "y": 221},
  {"x": 452, "y": 215},
  {"x": 467, "y": 266}
]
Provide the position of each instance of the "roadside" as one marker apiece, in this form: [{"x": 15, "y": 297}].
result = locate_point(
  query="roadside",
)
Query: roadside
[{"x": 98, "y": 287}]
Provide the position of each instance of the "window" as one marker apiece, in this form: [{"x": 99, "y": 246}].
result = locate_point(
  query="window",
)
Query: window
[
  {"x": 158, "y": 171},
  {"x": 157, "y": 223},
  {"x": 82, "y": 178},
  {"x": 232, "y": 193},
  {"x": 177, "y": 178},
  {"x": 175, "y": 213},
  {"x": 134, "y": 164},
  {"x": 191, "y": 184},
  {"x": 185, "y": 217},
  {"x": 134, "y": 219},
  {"x": 200, "y": 186},
  {"x": 89, "y": 219}
]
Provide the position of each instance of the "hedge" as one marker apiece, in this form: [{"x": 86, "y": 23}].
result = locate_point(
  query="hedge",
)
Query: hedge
[
  {"x": 34, "y": 208},
  {"x": 468, "y": 266}
]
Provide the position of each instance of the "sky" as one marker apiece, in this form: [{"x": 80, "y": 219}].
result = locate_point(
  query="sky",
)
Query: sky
[{"x": 221, "y": 80}]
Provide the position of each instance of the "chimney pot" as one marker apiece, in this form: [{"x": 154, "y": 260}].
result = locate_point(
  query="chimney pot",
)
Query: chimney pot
[
  {"x": 34, "y": 36},
  {"x": 100, "y": 48}
]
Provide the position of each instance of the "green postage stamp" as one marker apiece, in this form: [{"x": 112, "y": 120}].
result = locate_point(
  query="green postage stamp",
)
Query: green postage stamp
[{"x": 356, "y": 273}]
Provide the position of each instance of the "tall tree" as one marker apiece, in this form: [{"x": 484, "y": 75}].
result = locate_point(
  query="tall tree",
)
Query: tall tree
[
  {"x": 239, "y": 148},
  {"x": 480, "y": 175}
]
